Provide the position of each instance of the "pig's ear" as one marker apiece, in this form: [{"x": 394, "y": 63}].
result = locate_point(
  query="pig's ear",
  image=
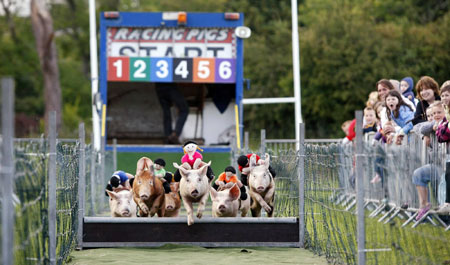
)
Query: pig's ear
[
  {"x": 213, "y": 193},
  {"x": 235, "y": 193},
  {"x": 267, "y": 161},
  {"x": 112, "y": 194},
  {"x": 176, "y": 186},
  {"x": 252, "y": 162},
  {"x": 197, "y": 163},
  {"x": 203, "y": 170},
  {"x": 148, "y": 162},
  {"x": 183, "y": 171},
  {"x": 140, "y": 165}
]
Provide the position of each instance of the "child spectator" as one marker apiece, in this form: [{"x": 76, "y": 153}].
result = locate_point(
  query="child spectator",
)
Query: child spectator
[
  {"x": 382, "y": 135},
  {"x": 427, "y": 92},
  {"x": 370, "y": 120},
  {"x": 423, "y": 175},
  {"x": 349, "y": 129},
  {"x": 383, "y": 88},
  {"x": 406, "y": 87},
  {"x": 373, "y": 98},
  {"x": 398, "y": 111},
  {"x": 229, "y": 175},
  {"x": 243, "y": 162},
  {"x": 445, "y": 96}
]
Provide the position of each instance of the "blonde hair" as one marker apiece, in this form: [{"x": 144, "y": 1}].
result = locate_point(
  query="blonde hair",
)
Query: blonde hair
[
  {"x": 373, "y": 97},
  {"x": 436, "y": 104},
  {"x": 446, "y": 83},
  {"x": 198, "y": 148}
]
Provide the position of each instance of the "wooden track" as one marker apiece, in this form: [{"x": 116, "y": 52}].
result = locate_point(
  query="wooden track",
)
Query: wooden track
[{"x": 206, "y": 232}]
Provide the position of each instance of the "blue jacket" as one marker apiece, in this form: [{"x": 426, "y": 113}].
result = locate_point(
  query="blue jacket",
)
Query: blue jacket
[
  {"x": 405, "y": 117},
  {"x": 409, "y": 91},
  {"x": 121, "y": 175}
]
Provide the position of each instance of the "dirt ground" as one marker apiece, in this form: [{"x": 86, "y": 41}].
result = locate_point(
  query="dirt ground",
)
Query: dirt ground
[{"x": 175, "y": 254}]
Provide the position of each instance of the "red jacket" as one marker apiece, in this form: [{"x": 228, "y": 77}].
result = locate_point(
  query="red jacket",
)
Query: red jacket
[
  {"x": 248, "y": 156},
  {"x": 351, "y": 130}
]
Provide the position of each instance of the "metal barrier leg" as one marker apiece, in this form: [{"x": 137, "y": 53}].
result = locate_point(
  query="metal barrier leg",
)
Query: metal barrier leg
[
  {"x": 386, "y": 214},
  {"x": 393, "y": 215},
  {"x": 411, "y": 218}
]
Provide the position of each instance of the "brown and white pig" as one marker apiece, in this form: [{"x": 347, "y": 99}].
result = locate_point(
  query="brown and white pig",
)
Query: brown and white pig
[
  {"x": 261, "y": 186},
  {"x": 243, "y": 205},
  {"x": 194, "y": 188},
  {"x": 225, "y": 203},
  {"x": 121, "y": 203},
  {"x": 148, "y": 191},
  {"x": 173, "y": 201}
]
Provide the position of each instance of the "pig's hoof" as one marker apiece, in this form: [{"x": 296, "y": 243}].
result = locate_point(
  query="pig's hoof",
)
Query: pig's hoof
[
  {"x": 144, "y": 209},
  {"x": 190, "y": 220},
  {"x": 267, "y": 208},
  {"x": 199, "y": 215}
]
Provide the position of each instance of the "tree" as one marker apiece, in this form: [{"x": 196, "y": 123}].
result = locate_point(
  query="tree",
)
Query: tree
[{"x": 43, "y": 33}]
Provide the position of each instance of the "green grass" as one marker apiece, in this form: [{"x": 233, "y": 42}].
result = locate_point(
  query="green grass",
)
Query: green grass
[
  {"x": 175, "y": 254},
  {"x": 127, "y": 161}
]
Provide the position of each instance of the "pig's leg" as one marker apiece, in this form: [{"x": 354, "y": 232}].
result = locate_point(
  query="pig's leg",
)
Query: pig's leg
[
  {"x": 256, "y": 196},
  {"x": 190, "y": 211},
  {"x": 201, "y": 205},
  {"x": 269, "y": 199},
  {"x": 157, "y": 206},
  {"x": 143, "y": 207}
]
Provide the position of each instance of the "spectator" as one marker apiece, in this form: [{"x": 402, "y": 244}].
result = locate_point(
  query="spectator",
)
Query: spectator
[
  {"x": 379, "y": 107},
  {"x": 349, "y": 129},
  {"x": 435, "y": 115},
  {"x": 406, "y": 87},
  {"x": 370, "y": 120},
  {"x": 445, "y": 96},
  {"x": 382, "y": 135},
  {"x": 427, "y": 92},
  {"x": 373, "y": 98},
  {"x": 168, "y": 95},
  {"x": 398, "y": 111},
  {"x": 383, "y": 88},
  {"x": 423, "y": 175}
]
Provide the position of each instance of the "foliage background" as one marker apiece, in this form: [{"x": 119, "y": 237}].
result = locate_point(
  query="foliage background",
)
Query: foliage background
[{"x": 346, "y": 46}]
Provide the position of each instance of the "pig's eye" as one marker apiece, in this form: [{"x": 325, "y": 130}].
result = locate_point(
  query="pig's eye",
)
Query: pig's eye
[
  {"x": 139, "y": 182},
  {"x": 199, "y": 179},
  {"x": 187, "y": 180},
  {"x": 174, "y": 195},
  {"x": 118, "y": 202}
]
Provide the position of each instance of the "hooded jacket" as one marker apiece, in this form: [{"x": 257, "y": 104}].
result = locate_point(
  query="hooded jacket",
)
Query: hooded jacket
[{"x": 409, "y": 91}]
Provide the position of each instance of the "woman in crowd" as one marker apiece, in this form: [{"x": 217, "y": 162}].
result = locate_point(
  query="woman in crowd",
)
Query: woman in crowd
[{"x": 427, "y": 92}]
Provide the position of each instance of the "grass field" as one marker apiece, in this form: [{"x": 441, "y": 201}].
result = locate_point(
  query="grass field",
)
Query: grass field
[
  {"x": 177, "y": 254},
  {"x": 126, "y": 161}
]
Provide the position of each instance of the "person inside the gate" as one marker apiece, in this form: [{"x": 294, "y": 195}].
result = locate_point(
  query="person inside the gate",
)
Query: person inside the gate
[
  {"x": 120, "y": 179},
  {"x": 229, "y": 176},
  {"x": 401, "y": 113},
  {"x": 427, "y": 92},
  {"x": 243, "y": 162},
  {"x": 160, "y": 173}
]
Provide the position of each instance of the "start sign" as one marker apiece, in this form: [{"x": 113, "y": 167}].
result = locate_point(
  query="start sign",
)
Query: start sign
[{"x": 204, "y": 55}]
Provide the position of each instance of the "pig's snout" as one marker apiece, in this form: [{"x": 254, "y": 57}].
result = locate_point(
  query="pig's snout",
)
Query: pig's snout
[
  {"x": 222, "y": 208},
  {"x": 144, "y": 197},
  {"x": 126, "y": 213},
  {"x": 169, "y": 207},
  {"x": 260, "y": 188},
  {"x": 194, "y": 193}
]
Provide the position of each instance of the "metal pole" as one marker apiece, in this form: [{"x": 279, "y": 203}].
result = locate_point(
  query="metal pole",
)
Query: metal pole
[
  {"x": 296, "y": 68},
  {"x": 263, "y": 143},
  {"x": 81, "y": 185},
  {"x": 361, "y": 232},
  {"x": 102, "y": 168},
  {"x": 114, "y": 154},
  {"x": 7, "y": 170},
  {"x": 94, "y": 74},
  {"x": 52, "y": 188},
  {"x": 246, "y": 141},
  {"x": 93, "y": 169},
  {"x": 301, "y": 185}
]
